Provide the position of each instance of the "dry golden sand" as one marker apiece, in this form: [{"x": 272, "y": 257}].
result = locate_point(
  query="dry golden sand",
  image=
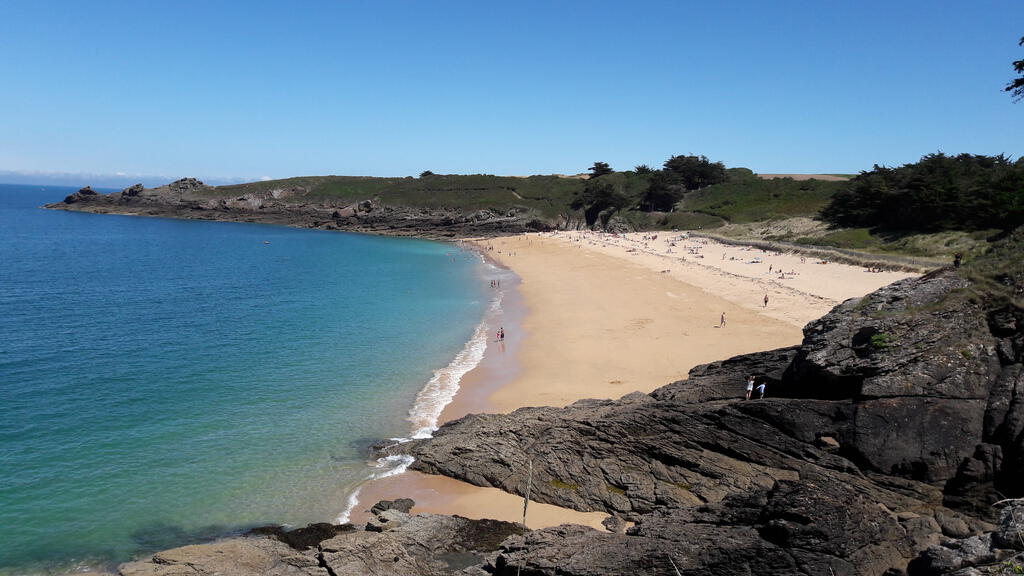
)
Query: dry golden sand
[{"x": 606, "y": 316}]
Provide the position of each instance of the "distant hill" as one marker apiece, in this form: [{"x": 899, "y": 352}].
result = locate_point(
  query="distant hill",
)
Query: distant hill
[{"x": 936, "y": 207}]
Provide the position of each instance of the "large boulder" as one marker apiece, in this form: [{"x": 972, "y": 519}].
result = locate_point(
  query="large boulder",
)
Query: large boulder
[
  {"x": 86, "y": 193},
  {"x": 186, "y": 185},
  {"x": 132, "y": 191}
]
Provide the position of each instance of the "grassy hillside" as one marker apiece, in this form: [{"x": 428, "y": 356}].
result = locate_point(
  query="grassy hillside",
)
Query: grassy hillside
[
  {"x": 744, "y": 198},
  {"x": 747, "y": 198},
  {"x": 548, "y": 195},
  {"x": 744, "y": 207}
]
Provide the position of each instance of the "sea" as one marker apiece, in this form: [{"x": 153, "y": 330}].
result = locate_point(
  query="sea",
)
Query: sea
[{"x": 166, "y": 382}]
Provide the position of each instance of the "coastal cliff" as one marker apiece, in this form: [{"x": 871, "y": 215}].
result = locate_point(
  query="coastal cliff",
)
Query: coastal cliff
[
  {"x": 300, "y": 205},
  {"x": 888, "y": 443}
]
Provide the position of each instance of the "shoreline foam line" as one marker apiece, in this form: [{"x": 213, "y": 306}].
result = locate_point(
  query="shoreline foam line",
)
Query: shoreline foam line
[
  {"x": 439, "y": 391},
  {"x": 445, "y": 383}
]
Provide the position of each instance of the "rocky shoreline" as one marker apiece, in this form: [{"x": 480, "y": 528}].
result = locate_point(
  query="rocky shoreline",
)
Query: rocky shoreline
[
  {"x": 192, "y": 199},
  {"x": 892, "y": 442}
]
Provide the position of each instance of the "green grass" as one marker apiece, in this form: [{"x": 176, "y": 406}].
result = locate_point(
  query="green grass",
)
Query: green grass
[
  {"x": 851, "y": 238},
  {"x": 938, "y": 244},
  {"x": 615, "y": 489},
  {"x": 744, "y": 198},
  {"x": 880, "y": 340},
  {"x": 755, "y": 200},
  {"x": 997, "y": 275},
  {"x": 549, "y": 196},
  {"x": 690, "y": 221}
]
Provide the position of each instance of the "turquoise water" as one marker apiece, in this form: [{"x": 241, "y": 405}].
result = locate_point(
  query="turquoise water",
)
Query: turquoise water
[{"x": 163, "y": 381}]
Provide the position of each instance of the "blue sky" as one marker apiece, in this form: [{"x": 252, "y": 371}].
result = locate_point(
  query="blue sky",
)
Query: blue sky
[{"x": 224, "y": 90}]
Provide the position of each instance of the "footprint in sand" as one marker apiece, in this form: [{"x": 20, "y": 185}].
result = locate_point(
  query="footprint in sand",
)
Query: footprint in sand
[{"x": 640, "y": 323}]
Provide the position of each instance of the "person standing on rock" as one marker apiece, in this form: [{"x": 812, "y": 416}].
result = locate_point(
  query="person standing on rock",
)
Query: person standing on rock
[
  {"x": 750, "y": 386},
  {"x": 760, "y": 390}
]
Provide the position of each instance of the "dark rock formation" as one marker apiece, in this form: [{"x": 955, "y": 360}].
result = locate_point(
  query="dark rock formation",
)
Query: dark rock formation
[
  {"x": 895, "y": 423},
  {"x": 86, "y": 193},
  {"x": 186, "y": 185},
  {"x": 302, "y": 538},
  {"x": 794, "y": 528},
  {"x": 133, "y": 190},
  {"x": 403, "y": 505}
]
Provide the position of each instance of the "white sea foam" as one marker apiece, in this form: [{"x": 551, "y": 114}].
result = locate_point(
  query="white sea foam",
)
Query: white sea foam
[
  {"x": 445, "y": 383},
  {"x": 438, "y": 392},
  {"x": 350, "y": 505},
  {"x": 384, "y": 467}
]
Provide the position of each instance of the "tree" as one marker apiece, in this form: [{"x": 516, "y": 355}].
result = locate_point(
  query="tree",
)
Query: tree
[
  {"x": 694, "y": 172},
  {"x": 1016, "y": 87},
  {"x": 643, "y": 169},
  {"x": 940, "y": 192},
  {"x": 663, "y": 192},
  {"x": 426, "y": 173},
  {"x": 603, "y": 197},
  {"x": 600, "y": 169}
]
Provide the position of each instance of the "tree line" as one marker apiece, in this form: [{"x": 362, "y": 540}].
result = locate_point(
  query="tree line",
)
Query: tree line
[
  {"x": 644, "y": 188},
  {"x": 940, "y": 192}
]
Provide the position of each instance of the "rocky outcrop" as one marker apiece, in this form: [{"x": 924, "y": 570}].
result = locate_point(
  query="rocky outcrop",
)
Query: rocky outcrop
[
  {"x": 83, "y": 194},
  {"x": 186, "y": 185},
  {"x": 1000, "y": 551},
  {"x": 291, "y": 206},
  {"x": 794, "y": 528},
  {"x": 133, "y": 190},
  {"x": 891, "y": 429},
  {"x": 394, "y": 542}
]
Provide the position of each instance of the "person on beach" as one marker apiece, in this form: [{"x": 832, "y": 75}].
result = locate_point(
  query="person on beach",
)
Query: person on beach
[
  {"x": 750, "y": 386},
  {"x": 766, "y": 300},
  {"x": 760, "y": 390},
  {"x": 721, "y": 322}
]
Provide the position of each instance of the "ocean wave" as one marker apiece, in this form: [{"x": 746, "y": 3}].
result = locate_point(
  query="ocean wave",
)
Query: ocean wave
[
  {"x": 384, "y": 467},
  {"x": 445, "y": 383},
  {"x": 440, "y": 390}
]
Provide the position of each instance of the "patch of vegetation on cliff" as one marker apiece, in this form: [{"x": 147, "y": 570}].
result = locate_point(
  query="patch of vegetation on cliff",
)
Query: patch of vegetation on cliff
[
  {"x": 563, "y": 485},
  {"x": 997, "y": 277}
]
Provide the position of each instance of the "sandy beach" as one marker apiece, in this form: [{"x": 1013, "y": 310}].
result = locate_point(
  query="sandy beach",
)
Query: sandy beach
[{"x": 599, "y": 316}]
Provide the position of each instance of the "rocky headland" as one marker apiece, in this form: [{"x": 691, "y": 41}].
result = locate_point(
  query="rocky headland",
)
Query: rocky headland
[
  {"x": 891, "y": 441},
  {"x": 297, "y": 206}
]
